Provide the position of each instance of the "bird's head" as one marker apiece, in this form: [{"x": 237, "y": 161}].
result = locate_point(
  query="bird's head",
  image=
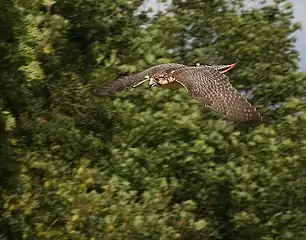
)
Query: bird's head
[{"x": 156, "y": 78}]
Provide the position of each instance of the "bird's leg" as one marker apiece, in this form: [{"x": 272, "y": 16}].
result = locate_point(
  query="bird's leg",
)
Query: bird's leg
[
  {"x": 221, "y": 68},
  {"x": 228, "y": 67}
]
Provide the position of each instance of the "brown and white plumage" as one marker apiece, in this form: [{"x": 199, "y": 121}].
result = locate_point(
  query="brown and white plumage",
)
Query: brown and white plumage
[
  {"x": 131, "y": 81},
  {"x": 205, "y": 83},
  {"x": 214, "y": 90}
]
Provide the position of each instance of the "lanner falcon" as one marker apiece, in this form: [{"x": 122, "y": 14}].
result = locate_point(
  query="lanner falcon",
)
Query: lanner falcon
[{"x": 207, "y": 84}]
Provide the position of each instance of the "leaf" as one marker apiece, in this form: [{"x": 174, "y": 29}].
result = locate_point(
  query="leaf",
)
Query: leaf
[
  {"x": 150, "y": 58},
  {"x": 200, "y": 225}
]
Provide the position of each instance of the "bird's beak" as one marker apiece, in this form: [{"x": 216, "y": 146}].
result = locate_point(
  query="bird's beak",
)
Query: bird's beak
[{"x": 152, "y": 83}]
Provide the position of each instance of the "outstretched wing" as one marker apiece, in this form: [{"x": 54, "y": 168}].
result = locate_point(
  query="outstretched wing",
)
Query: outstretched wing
[
  {"x": 220, "y": 68},
  {"x": 131, "y": 81},
  {"x": 213, "y": 89}
]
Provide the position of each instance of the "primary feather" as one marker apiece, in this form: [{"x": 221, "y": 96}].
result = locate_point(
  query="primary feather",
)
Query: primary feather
[{"x": 206, "y": 83}]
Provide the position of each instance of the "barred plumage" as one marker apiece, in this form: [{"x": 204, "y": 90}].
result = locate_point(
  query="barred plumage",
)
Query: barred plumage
[
  {"x": 214, "y": 90},
  {"x": 131, "y": 81},
  {"x": 206, "y": 83}
]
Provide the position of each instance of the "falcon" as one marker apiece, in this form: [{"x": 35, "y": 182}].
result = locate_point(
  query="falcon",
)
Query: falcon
[{"x": 205, "y": 83}]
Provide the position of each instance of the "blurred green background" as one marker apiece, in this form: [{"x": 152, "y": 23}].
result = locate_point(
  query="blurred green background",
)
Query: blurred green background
[{"x": 151, "y": 163}]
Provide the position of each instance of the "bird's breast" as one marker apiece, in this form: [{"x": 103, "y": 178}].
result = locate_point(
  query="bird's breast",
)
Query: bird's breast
[{"x": 172, "y": 85}]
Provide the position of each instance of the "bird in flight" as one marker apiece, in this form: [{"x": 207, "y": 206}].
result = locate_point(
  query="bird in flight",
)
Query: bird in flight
[{"x": 205, "y": 83}]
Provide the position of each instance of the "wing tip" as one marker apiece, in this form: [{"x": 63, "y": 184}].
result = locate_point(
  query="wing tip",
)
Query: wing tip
[
  {"x": 245, "y": 115},
  {"x": 253, "y": 118},
  {"x": 100, "y": 92}
]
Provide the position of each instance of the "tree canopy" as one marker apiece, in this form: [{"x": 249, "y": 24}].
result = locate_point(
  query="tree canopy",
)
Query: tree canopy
[{"x": 150, "y": 163}]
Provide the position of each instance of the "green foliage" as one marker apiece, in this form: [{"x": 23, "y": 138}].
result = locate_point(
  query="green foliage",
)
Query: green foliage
[{"x": 151, "y": 163}]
